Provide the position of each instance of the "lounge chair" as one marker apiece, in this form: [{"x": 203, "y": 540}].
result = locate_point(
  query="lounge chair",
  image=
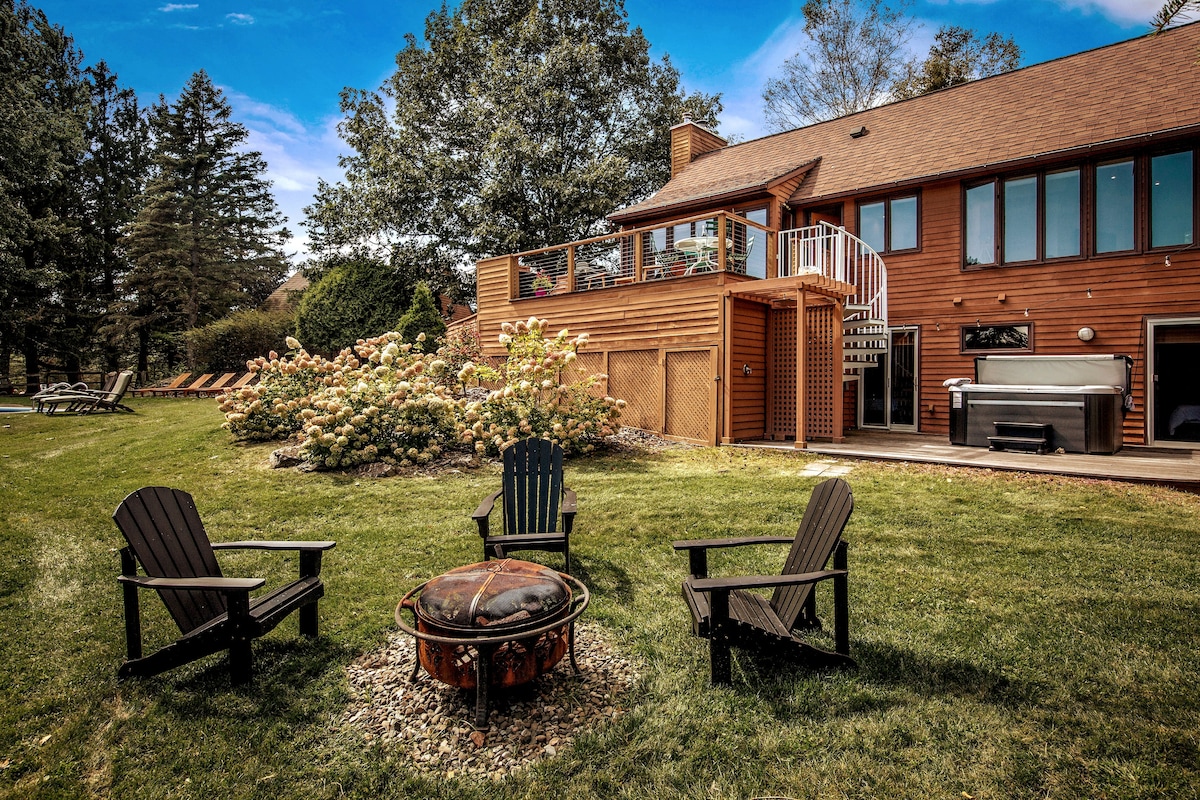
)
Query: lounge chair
[
  {"x": 170, "y": 387},
  {"x": 193, "y": 386},
  {"x": 727, "y": 613},
  {"x": 222, "y": 388},
  {"x": 85, "y": 402},
  {"x": 532, "y": 496},
  {"x": 215, "y": 387},
  {"x": 214, "y": 613}
]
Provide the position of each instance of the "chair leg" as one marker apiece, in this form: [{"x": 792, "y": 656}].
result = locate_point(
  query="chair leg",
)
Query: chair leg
[
  {"x": 308, "y": 620},
  {"x": 719, "y": 657},
  {"x": 241, "y": 661}
]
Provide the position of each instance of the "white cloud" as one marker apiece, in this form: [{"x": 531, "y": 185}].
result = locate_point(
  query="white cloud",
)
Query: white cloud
[
  {"x": 240, "y": 19},
  {"x": 169, "y": 7},
  {"x": 1117, "y": 10}
]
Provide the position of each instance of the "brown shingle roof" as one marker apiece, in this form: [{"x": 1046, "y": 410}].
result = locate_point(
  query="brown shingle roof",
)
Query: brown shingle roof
[{"x": 1131, "y": 89}]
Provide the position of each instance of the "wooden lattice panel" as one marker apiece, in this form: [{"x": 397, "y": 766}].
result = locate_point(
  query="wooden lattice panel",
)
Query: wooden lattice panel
[
  {"x": 634, "y": 376},
  {"x": 592, "y": 364},
  {"x": 822, "y": 366},
  {"x": 782, "y": 424},
  {"x": 689, "y": 390}
]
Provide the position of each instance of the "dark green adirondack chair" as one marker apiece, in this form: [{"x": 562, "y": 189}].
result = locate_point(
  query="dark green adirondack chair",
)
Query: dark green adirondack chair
[{"x": 539, "y": 511}]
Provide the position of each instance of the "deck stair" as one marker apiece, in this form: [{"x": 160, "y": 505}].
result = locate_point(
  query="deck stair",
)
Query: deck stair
[
  {"x": 1023, "y": 437},
  {"x": 834, "y": 252}
]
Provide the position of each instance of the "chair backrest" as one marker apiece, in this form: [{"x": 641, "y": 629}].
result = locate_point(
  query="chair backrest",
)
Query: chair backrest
[
  {"x": 819, "y": 533},
  {"x": 166, "y": 535},
  {"x": 114, "y": 394},
  {"x": 533, "y": 484}
]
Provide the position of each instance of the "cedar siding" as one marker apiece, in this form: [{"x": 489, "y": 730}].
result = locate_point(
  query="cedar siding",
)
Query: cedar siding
[{"x": 1134, "y": 100}]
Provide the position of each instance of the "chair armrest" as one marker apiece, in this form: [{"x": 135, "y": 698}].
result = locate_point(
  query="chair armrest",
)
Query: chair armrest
[
  {"x": 698, "y": 549},
  {"x": 762, "y": 581},
  {"x": 709, "y": 544},
  {"x": 218, "y": 584},
  {"x": 268, "y": 545},
  {"x": 570, "y": 504},
  {"x": 484, "y": 511}
]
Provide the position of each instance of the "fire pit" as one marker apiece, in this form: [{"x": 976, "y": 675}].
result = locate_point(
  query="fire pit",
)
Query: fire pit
[{"x": 495, "y": 624}]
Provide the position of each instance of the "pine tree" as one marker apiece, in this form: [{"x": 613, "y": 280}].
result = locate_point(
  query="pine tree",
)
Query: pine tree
[
  {"x": 207, "y": 240},
  {"x": 422, "y": 317}
]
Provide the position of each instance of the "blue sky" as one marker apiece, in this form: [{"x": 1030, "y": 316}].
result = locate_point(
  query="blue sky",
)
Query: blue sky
[{"x": 282, "y": 65}]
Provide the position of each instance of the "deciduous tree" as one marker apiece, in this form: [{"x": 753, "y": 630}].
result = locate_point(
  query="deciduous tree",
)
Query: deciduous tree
[
  {"x": 855, "y": 53},
  {"x": 513, "y": 124}
]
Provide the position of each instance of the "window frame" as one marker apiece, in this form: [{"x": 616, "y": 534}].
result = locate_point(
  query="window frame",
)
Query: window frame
[
  {"x": 962, "y": 338},
  {"x": 1143, "y": 212},
  {"x": 887, "y": 201}
]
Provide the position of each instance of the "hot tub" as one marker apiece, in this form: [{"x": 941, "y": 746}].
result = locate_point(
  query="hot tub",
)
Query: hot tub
[{"x": 1076, "y": 403}]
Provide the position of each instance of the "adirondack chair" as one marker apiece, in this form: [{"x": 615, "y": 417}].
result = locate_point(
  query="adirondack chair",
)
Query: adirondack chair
[
  {"x": 532, "y": 495},
  {"x": 165, "y": 535},
  {"x": 175, "y": 383},
  {"x": 728, "y": 614},
  {"x": 85, "y": 402}
]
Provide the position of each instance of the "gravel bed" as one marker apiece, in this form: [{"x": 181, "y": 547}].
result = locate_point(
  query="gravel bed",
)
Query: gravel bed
[{"x": 431, "y": 721}]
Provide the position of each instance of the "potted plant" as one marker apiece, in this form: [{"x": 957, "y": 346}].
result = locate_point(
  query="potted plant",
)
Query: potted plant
[{"x": 542, "y": 284}]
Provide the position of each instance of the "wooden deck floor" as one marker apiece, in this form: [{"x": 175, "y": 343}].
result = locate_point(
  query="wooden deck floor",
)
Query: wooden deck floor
[{"x": 1179, "y": 468}]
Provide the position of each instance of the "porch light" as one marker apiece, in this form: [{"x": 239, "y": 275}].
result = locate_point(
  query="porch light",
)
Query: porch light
[{"x": 1086, "y": 334}]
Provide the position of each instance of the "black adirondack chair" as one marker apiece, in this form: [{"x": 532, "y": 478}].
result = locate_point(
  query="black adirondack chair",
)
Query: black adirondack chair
[
  {"x": 727, "y": 613},
  {"x": 532, "y": 496},
  {"x": 214, "y": 613}
]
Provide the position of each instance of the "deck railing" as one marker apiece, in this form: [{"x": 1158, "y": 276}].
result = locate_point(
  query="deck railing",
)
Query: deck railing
[
  {"x": 829, "y": 250},
  {"x": 678, "y": 249}
]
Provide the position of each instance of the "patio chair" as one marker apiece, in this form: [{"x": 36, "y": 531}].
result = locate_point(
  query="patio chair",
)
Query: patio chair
[
  {"x": 738, "y": 260},
  {"x": 170, "y": 387},
  {"x": 532, "y": 496},
  {"x": 165, "y": 536},
  {"x": 85, "y": 402},
  {"x": 211, "y": 391},
  {"x": 728, "y": 614},
  {"x": 191, "y": 387}
]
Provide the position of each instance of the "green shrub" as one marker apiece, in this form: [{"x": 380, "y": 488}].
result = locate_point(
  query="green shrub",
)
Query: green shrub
[
  {"x": 353, "y": 300},
  {"x": 422, "y": 317},
  {"x": 227, "y": 344}
]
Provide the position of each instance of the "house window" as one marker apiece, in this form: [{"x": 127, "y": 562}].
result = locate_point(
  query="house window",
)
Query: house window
[
  {"x": 1060, "y": 224},
  {"x": 1020, "y": 219},
  {"x": 1114, "y": 207},
  {"x": 981, "y": 224},
  {"x": 889, "y": 225},
  {"x": 1171, "y": 199},
  {"x": 995, "y": 337}
]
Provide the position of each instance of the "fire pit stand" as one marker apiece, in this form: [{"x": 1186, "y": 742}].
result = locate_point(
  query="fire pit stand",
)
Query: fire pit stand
[{"x": 474, "y": 651}]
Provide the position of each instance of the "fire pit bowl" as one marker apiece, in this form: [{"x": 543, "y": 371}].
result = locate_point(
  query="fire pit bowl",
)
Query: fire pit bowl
[{"x": 495, "y": 624}]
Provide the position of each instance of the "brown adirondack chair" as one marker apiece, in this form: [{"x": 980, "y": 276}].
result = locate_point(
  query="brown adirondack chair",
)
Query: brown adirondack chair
[
  {"x": 175, "y": 383},
  {"x": 727, "y": 613},
  {"x": 532, "y": 496},
  {"x": 165, "y": 535}
]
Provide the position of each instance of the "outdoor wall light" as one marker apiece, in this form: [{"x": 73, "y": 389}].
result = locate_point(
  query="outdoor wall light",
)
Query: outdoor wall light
[{"x": 1086, "y": 334}]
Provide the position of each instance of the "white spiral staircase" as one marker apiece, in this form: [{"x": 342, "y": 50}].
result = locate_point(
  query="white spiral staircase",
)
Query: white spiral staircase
[{"x": 829, "y": 250}]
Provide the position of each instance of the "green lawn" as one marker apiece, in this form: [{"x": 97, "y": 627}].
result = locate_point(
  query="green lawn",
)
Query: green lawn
[{"x": 1018, "y": 637}]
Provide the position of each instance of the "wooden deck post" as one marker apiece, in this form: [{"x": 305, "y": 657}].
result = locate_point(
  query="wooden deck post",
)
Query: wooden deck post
[
  {"x": 839, "y": 386},
  {"x": 801, "y": 370}
]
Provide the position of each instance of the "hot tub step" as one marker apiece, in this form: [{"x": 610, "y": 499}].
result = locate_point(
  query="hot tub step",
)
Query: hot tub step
[{"x": 1026, "y": 437}]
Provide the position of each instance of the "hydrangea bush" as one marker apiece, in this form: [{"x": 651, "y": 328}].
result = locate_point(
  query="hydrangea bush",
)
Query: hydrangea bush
[
  {"x": 544, "y": 394},
  {"x": 384, "y": 400}
]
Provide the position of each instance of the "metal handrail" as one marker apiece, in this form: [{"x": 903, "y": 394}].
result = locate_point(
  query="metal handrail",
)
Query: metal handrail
[{"x": 832, "y": 251}]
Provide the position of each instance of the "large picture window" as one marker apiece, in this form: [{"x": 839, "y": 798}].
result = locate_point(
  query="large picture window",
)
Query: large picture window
[
  {"x": 889, "y": 225},
  {"x": 981, "y": 224},
  {"x": 1114, "y": 207}
]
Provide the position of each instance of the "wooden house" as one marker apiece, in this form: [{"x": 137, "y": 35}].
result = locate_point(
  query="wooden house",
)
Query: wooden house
[{"x": 832, "y": 277}]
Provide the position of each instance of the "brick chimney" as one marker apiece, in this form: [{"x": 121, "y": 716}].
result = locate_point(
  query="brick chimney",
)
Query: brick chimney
[{"x": 689, "y": 140}]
